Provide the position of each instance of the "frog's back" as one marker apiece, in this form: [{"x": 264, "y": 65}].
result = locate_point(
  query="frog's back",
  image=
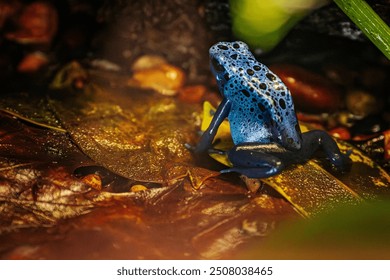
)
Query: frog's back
[
  {"x": 262, "y": 108},
  {"x": 248, "y": 117},
  {"x": 261, "y": 104}
]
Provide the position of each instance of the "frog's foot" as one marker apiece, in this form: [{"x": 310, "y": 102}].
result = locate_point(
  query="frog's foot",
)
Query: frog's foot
[
  {"x": 255, "y": 173},
  {"x": 341, "y": 161},
  {"x": 314, "y": 139},
  {"x": 253, "y": 163},
  {"x": 199, "y": 150},
  {"x": 189, "y": 147},
  {"x": 217, "y": 151}
]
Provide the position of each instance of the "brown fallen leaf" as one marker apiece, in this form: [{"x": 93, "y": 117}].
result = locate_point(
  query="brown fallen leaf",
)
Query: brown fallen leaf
[
  {"x": 134, "y": 133},
  {"x": 162, "y": 223}
]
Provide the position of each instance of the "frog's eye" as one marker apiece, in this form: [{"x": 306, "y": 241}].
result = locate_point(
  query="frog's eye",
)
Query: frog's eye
[{"x": 217, "y": 66}]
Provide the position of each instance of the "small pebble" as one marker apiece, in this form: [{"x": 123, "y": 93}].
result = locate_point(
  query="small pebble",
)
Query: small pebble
[
  {"x": 37, "y": 24},
  {"x": 192, "y": 94},
  {"x": 33, "y": 62},
  {"x": 93, "y": 180},
  {"x": 163, "y": 78},
  {"x": 341, "y": 133},
  {"x": 138, "y": 188}
]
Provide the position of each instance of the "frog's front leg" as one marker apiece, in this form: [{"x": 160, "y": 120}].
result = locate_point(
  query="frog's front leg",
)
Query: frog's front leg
[
  {"x": 255, "y": 161},
  {"x": 208, "y": 136},
  {"x": 315, "y": 139}
]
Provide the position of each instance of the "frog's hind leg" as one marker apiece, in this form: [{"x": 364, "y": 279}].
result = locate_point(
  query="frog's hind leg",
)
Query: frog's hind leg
[
  {"x": 315, "y": 139},
  {"x": 253, "y": 163}
]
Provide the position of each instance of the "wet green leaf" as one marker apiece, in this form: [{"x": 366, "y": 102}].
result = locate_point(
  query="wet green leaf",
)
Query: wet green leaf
[{"x": 263, "y": 24}]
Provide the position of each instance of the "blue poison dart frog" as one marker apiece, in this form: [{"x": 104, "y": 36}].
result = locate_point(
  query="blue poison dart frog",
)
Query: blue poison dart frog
[{"x": 263, "y": 123}]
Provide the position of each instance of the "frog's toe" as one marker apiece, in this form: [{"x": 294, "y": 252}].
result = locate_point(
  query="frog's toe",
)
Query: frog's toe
[
  {"x": 255, "y": 173},
  {"x": 189, "y": 147},
  {"x": 217, "y": 151},
  {"x": 196, "y": 149},
  {"x": 342, "y": 162}
]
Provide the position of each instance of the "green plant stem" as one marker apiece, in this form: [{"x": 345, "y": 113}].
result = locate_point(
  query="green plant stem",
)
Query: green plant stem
[{"x": 369, "y": 22}]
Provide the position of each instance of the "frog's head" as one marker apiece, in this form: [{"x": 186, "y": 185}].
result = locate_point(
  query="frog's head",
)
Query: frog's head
[{"x": 226, "y": 59}]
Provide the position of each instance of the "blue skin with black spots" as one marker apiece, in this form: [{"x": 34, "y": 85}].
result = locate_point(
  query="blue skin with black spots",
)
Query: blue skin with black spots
[{"x": 262, "y": 117}]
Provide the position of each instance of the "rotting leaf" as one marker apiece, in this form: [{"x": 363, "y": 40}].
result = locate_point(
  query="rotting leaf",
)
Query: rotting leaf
[
  {"x": 47, "y": 212},
  {"x": 37, "y": 186},
  {"x": 161, "y": 223},
  {"x": 39, "y": 196},
  {"x": 31, "y": 107},
  {"x": 33, "y": 197},
  {"x": 310, "y": 187},
  {"x": 35, "y": 190},
  {"x": 132, "y": 132},
  {"x": 196, "y": 175},
  {"x": 33, "y": 144}
]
